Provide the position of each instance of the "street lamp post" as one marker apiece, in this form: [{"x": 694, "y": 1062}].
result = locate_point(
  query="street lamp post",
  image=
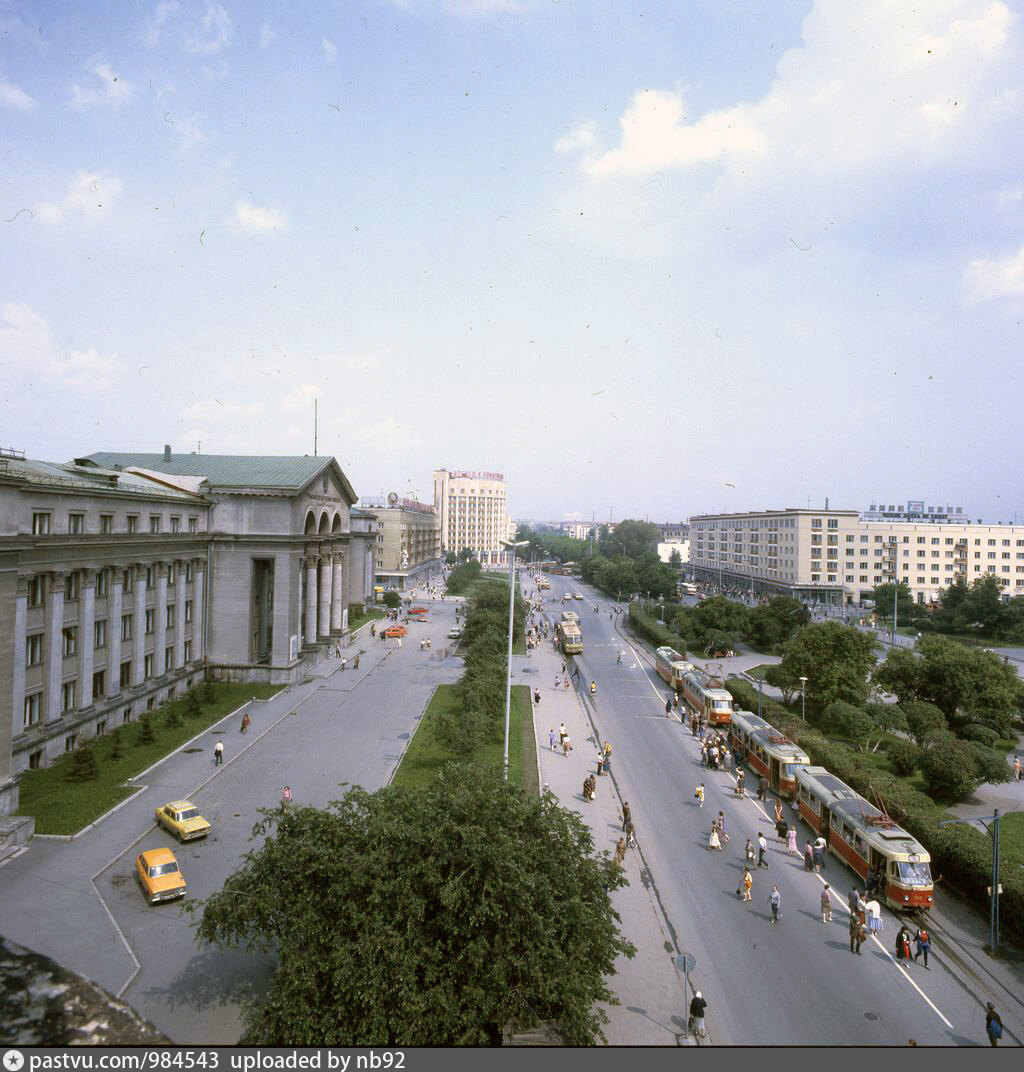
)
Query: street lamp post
[
  {"x": 996, "y": 889},
  {"x": 511, "y": 545},
  {"x": 803, "y": 695}
]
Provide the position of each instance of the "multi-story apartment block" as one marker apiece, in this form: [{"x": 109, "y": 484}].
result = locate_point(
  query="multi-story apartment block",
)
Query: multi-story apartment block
[
  {"x": 473, "y": 513},
  {"x": 834, "y": 556},
  {"x": 408, "y": 541},
  {"x": 576, "y": 530}
]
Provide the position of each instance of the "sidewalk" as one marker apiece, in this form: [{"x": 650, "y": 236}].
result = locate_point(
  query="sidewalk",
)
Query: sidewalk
[{"x": 650, "y": 989}]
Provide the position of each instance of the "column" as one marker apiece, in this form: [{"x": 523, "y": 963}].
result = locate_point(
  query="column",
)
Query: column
[
  {"x": 337, "y": 589},
  {"x": 310, "y": 627},
  {"x": 54, "y": 647},
  {"x": 160, "y": 619},
  {"x": 324, "y": 616},
  {"x": 86, "y": 649},
  {"x": 198, "y": 617},
  {"x": 179, "y": 617},
  {"x": 139, "y": 626},
  {"x": 18, "y": 670},
  {"x": 115, "y": 603}
]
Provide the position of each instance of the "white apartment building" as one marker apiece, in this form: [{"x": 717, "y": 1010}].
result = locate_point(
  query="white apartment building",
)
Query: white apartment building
[
  {"x": 473, "y": 512},
  {"x": 834, "y": 556},
  {"x": 576, "y": 530}
]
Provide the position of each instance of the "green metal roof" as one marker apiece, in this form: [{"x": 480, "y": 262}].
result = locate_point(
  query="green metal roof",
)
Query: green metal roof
[
  {"x": 72, "y": 476},
  {"x": 227, "y": 471}
]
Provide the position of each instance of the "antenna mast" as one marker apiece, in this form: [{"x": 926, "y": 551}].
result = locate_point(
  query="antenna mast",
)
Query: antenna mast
[{"x": 314, "y": 425}]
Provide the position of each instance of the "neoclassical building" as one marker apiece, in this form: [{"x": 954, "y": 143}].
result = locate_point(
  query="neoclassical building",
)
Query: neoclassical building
[{"x": 125, "y": 578}]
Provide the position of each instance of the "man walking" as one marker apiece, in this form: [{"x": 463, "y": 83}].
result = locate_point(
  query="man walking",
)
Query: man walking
[
  {"x": 218, "y": 753},
  {"x": 551, "y": 739},
  {"x": 924, "y": 943},
  {"x": 762, "y": 850},
  {"x": 1016, "y": 768},
  {"x": 857, "y": 934},
  {"x": 826, "y": 904},
  {"x": 562, "y": 732},
  {"x": 775, "y": 903},
  {"x": 993, "y": 1024},
  {"x": 721, "y": 827},
  {"x": 697, "y": 1007},
  {"x": 818, "y": 852},
  {"x": 627, "y": 815},
  {"x": 699, "y": 794}
]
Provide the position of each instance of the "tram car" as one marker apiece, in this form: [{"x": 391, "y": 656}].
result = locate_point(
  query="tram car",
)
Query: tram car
[
  {"x": 672, "y": 667},
  {"x": 711, "y": 701},
  {"x": 865, "y": 838},
  {"x": 767, "y": 751}
]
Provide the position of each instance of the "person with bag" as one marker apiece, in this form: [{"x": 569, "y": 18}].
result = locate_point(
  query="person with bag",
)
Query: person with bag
[
  {"x": 698, "y": 794},
  {"x": 775, "y": 904},
  {"x": 749, "y": 853},
  {"x": 746, "y": 883},
  {"x": 924, "y": 943},
  {"x": 858, "y": 934},
  {"x": 697, "y": 1007},
  {"x": 714, "y": 842},
  {"x": 993, "y": 1024},
  {"x": 903, "y": 944}
]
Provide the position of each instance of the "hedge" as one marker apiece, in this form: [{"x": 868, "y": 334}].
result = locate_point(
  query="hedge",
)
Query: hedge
[{"x": 650, "y": 629}]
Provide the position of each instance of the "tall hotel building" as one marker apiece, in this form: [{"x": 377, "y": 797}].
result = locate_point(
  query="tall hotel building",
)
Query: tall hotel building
[
  {"x": 838, "y": 556},
  {"x": 473, "y": 513}
]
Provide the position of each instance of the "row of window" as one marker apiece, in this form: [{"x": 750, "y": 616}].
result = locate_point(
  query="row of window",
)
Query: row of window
[
  {"x": 37, "y": 585},
  {"x": 35, "y": 701},
  {"x": 42, "y": 523},
  {"x": 69, "y": 635}
]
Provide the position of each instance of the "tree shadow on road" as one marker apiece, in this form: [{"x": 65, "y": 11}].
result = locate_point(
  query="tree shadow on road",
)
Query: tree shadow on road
[{"x": 215, "y": 977}]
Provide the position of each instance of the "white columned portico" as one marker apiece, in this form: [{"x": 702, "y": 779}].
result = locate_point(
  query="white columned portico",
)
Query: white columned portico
[
  {"x": 179, "y": 619},
  {"x": 198, "y": 617},
  {"x": 139, "y": 627},
  {"x": 160, "y": 620},
  {"x": 324, "y": 608},
  {"x": 311, "y": 601},
  {"x": 114, "y": 633},
  {"x": 86, "y": 649},
  {"x": 18, "y": 669},
  {"x": 55, "y": 647},
  {"x": 337, "y": 590}
]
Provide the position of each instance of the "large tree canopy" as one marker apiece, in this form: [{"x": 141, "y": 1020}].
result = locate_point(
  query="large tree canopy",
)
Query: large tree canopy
[
  {"x": 424, "y": 917},
  {"x": 836, "y": 660}
]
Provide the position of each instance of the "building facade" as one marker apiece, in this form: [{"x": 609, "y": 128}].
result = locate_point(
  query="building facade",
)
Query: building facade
[
  {"x": 836, "y": 556},
  {"x": 408, "y": 541},
  {"x": 473, "y": 513}
]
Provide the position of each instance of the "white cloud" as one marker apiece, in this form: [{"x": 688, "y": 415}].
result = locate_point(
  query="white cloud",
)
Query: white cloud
[
  {"x": 582, "y": 136},
  {"x": 27, "y": 346},
  {"x": 257, "y": 219},
  {"x": 13, "y": 97},
  {"x": 330, "y": 50},
  {"x": 155, "y": 27},
  {"x": 90, "y": 195},
  {"x": 213, "y": 413},
  {"x": 302, "y": 397},
  {"x": 989, "y": 278},
  {"x": 210, "y": 33},
  {"x": 267, "y": 36},
  {"x": 111, "y": 90},
  {"x": 190, "y": 134}
]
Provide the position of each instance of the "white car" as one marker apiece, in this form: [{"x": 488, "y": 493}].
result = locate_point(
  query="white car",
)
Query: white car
[{"x": 455, "y": 633}]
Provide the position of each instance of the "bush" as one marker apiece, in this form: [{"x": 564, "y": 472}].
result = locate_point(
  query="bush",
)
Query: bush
[
  {"x": 743, "y": 693},
  {"x": 115, "y": 743},
  {"x": 207, "y": 692},
  {"x": 990, "y": 766},
  {"x": 146, "y": 734},
  {"x": 652, "y": 630},
  {"x": 949, "y": 771},
  {"x": 982, "y": 734},
  {"x": 173, "y": 719},
  {"x": 904, "y": 756},
  {"x": 83, "y": 765},
  {"x": 391, "y": 599},
  {"x": 193, "y": 708},
  {"x": 846, "y": 720}
]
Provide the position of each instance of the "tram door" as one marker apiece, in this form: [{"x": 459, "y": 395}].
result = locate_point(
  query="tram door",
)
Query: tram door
[
  {"x": 773, "y": 773},
  {"x": 826, "y": 823}
]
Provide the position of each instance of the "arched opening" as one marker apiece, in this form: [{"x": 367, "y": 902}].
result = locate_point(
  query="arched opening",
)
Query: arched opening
[
  {"x": 325, "y": 525},
  {"x": 336, "y": 524},
  {"x": 310, "y": 524}
]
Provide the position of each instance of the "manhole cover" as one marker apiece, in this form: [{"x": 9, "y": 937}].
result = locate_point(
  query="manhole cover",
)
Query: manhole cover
[
  {"x": 872, "y": 1016},
  {"x": 403, "y": 736},
  {"x": 193, "y": 750},
  {"x": 529, "y": 670}
]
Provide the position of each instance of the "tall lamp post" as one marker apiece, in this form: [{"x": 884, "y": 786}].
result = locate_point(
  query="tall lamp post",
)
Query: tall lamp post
[
  {"x": 511, "y": 545},
  {"x": 995, "y": 889},
  {"x": 803, "y": 695}
]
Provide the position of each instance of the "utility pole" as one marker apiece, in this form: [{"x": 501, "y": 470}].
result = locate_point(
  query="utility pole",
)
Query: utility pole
[{"x": 994, "y": 891}]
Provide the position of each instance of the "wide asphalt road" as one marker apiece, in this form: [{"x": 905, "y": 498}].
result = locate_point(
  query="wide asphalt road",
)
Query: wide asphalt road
[{"x": 792, "y": 983}]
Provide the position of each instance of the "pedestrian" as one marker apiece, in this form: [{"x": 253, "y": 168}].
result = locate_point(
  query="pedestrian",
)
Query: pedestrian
[
  {"x": 993, "y": 1024},
  {"x": 748, "y": 882},
  {"x": 399, "y": 641},
  {"x": 775, "y": 903},
  {"x": 714, "y": 842},
  {"x": 562, "y": 671},
  {"x": 355, "y": 663},
  {"x": 620, "y": 851},
  {"x": 562, "y": 732},
  {"x": 819, "y": 852},
  {"x": 698, "y": 794},
  {"x": 924, "y": 943},
  {"x": 551, "y": 740},
  {"x": 593, "y": 688},
  {"x": 619, "y": 659},
  {"x": 668, "y": 708},
  {"x": 853, "y": 901},
  {"x": 1016, "y": 768},
  {"x": 762, "y": 850},
  {"x": 791, "y": 840},
  {"x": 857, "y": 935},
  {"x": 808, "y": 857},
  {"x": 704, "y": 755},
  {"x": 721, "y": 827},
  {"x": 903, "y": 943},
  {"x": 536, "y": 697},
  {"x": 286, "y": 798},
  {"x": 873, "y": 911},
  {"x": 697, "y": 1007},
  {"x": 631, "y": 834},
  {"x": 727, "y": 760},
  {"x": 627, "y": 815},
  {"x": 218, "y": 753},
  {"x": 373, "y": 629},
  {"x": 566, "y": 746},
  {"x": 778, "y": 811},
  {"x": 760, "y": 788},
  {"x": 576, "y": 674},
  {"x": 826, "y": 904},
  {"x": 749, "y": 853},
  {"x": 740, "y": 776},
  {"x": 245, "y": 723},
  {"x": 607, "y": 752}
]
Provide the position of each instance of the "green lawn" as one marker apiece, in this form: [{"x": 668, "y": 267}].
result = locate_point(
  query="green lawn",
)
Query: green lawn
[
  {"x": 426, "y": 755},
  {"x": 1011, "y": 836},
  {"x": 760, "y": 670},
  {"x": 367, "y": 616},
  {"x": 62, "y": 807}
]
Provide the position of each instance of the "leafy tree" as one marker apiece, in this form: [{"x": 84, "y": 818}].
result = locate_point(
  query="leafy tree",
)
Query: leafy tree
[
  {"x": 769, "y": 625},
  {"x": 904, "y": 757},
  {"x": 450, "y": 558},
  {"x": 392, "y": 599},
  {"x": 899, "y": 675},
  {"x": 886, "y": 718},
  {"x": 675, "y": 559},
  {"x": 193, "y": 708},
  {"x": 715, "y": 642},
  {"x": 785, "y": 679},
  {"x": 847, "y": 721},
  {"x": 146, "y": 734},
  {"x": 455, "y": 908},
  {"x": 924, "y": 720},
  {"x": 464, "y": 555},
  {"x": 84, "y": 766},
  {"x": 634, "y": 539},
  {"x": 836, "y": 660},
  {"x": 724, "y": 615},
  {"x": 990, "y": 766},
  {"x": 885, "y": 595},
  {"x": 949, "y": 771}
]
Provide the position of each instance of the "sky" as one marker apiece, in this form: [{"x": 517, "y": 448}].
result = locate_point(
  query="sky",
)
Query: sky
[{"x": 647, "y": 260}]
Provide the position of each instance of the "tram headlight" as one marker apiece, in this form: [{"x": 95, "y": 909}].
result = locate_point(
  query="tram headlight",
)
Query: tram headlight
[
  {"x": 906, "y": 897},
  {"x": 930, "y": 898}
]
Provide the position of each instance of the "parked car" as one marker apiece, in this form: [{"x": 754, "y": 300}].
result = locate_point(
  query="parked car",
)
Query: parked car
[
  {"x": 395, "y": 631},
  {"x": 455, "y": 633},
  {"x": 182, "y": 819},
  {"x": 159, "y": 875}
]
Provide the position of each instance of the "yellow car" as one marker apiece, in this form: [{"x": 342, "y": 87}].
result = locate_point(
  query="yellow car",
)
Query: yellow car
[
  {"x": 182, "y": 819},
  {"x": 161, "y": 878}
]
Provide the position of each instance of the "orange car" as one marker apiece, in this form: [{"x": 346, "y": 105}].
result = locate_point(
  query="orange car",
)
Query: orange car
[
  {"x": 395, "y": 631},
  {"x": 159, "y": 875}
]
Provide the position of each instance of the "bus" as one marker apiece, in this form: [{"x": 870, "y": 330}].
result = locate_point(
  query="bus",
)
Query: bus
[
  {"x": 712, "y": 702},
  {"x": 767, "y": 751},
  {"x": 570, "y": 639},
  {"x": 865, "y": 838},
  {"x": 672, "y": 667},
  {"x": 687, "y": 589}
]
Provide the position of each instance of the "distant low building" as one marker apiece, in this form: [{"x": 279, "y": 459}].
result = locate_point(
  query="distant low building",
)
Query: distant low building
[
  {"x": 407, "y": 549},
  {"x": 666, "y": 548}
]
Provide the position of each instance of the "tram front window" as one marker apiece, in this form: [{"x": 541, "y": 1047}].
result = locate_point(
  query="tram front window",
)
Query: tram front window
[
  {"x": 914, "y": 874},
  {"x": 789, "y": 769},
  {"x": 722, "y": 706}
]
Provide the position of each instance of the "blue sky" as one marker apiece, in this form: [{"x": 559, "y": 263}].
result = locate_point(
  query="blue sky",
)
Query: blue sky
[{"x": 646, "y": 260}]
